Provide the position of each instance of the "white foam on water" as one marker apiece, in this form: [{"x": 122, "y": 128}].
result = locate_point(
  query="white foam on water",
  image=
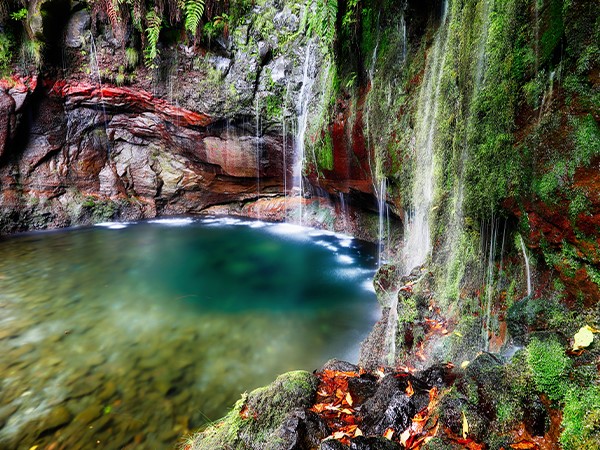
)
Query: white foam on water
[
  {"x": 345, "y": 259},
  {"x": 367, "y": 285},
  {"x": 327, "y": 245},
  {"x": 174, "y": 222},
  {"x": 113, "y": 225}
]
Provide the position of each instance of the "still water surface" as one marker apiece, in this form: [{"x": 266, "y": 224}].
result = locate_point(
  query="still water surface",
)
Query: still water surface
[{"x": 130, "y": 335}]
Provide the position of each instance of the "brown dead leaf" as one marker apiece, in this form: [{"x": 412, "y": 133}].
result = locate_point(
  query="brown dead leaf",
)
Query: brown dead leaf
[
  {"x": 524, "y": 445},
  {"x": 409, "y": 389}
]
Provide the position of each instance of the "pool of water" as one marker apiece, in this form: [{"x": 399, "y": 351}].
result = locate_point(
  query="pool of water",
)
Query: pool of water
[{"x": 131, "y": 335}]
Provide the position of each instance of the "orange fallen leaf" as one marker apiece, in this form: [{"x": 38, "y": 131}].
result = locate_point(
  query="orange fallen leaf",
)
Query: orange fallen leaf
[
  {"x": 389, "y": 433},
  {"x": 524, "y": 445},
  {"x": 409, "y": 389}
]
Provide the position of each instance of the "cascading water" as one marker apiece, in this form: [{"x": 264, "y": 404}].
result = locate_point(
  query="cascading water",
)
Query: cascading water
[
  {"x": 417, "y": 234},
  {"x": 527, "y": 269},
  {"x": 258, "y": 150},
  {"x": 302, "y": 111},
  {"x": 381, "y": 208},
  {"x": 418, "y": 239},
  {"x": 489, "y": 248}
]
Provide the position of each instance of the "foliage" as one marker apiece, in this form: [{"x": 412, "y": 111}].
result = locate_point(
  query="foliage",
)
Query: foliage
[
  {"x": 194, "y": 9},
  {"x": 21, "y": 14},
  {"x": 132, "y": 57},
  {"x": 549, "y": 366},
  {"x": 6, "y": 55},
  {"x": 321, "y": 21},
  {"x": 154, "y": 24},
  {"x": 581, "y": 419}
]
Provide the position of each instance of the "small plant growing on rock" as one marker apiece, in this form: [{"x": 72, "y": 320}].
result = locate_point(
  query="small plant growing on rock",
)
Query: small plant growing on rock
[{"x": 550, "y": 367}]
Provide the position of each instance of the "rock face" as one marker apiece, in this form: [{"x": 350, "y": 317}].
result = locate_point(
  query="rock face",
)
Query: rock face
[
  {"x": 570, "y": 242},
  {"x": 95, "y": 152}
]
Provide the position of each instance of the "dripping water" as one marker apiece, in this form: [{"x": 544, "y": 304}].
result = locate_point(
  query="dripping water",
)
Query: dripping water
[
  {"x": 418, "y": 239},
  {"x": 302, "y": 123},
  {"x": 381, "y": 208},
  {"x": 257, "y": 139},
  {"x": 490, "y": 249},
  {"x": 546, "y": 98},
  {"x": 527, "y": 269},
  {"x": 95, "y": 68}
]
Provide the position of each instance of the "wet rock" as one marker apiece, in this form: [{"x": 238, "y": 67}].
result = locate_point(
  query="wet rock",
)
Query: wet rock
[
  {"x": 57, "y": 417},
  {"x": 373, "y": 443},
  {"x": 340, "y": 366},
  {"x": 78, "y": 24},
  {"x": 7, "y": 120},
  {"x": 389, "y": 407},
  {"x": 438, "y": 375},
  {"x": 302, "y": 429},
  {"x": 332, "y": 444},
  {"x": 452, "y": 407},
  {"x": 89, "y": 414},
  {"x": 386, "y": 283},
  {"x": 108, "y": 391},
  {"x": 362, "y": 388}
]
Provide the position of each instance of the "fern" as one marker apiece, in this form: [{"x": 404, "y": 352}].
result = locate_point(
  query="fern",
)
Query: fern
[
  {"x": 322, "y": 22},
  {"x": 193, "y": 14},
  {"x": 154, "y": 24},
  {"x": 113, "y": 17}
]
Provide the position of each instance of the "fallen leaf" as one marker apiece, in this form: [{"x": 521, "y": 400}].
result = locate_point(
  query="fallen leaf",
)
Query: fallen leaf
[
  {"x": 524, "y": 445},
  {"x": 583, "y": 338},
  {"x": 338, "y": 435},
  {"x": 389, "y": 433},
  {"x": 358, "y": 432},
  {"x": 409, "y": 389},
  {"x": 349, "y": 399},
  {"x": 465, "y": 426},
  {"x": 405, "y": 436},
  {"x": 464, "y": 364}
]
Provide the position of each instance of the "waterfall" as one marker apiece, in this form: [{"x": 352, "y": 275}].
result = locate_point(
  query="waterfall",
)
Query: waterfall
[
  {"x": 488, "y": 282},
  {"x": 418, "y": 238},
  {"x": 547, "y": 94},
  {"x": 95, "y": 67},
  {"x": 528, "y": 271},
  {"x": 403, "y": 33},
  {"x": 258, "y": 150},
  {"x": 302, "y": 111},
  {"x": 381, "y": 209}
]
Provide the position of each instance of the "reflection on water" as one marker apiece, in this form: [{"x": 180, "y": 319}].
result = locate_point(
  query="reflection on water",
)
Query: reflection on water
[{"x": 129, "y": 335}]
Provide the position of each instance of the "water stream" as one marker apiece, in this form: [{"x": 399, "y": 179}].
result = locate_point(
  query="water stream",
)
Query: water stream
[{"x": 527, "y": 269}]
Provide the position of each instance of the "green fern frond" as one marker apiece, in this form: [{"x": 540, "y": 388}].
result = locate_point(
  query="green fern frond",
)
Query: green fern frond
[
  {"x": 153, "y": 26},
  {"x": 193, "y": 14}
]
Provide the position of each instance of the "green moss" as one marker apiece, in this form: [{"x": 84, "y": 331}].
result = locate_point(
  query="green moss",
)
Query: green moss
[
  {"x": 255, "y": 419},
  {"x": 581, "y": 419},
  {"x": 549, "y": 366}
]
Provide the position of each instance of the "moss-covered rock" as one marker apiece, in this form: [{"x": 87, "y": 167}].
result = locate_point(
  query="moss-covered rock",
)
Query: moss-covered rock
[{"x": 269, "y": 418}]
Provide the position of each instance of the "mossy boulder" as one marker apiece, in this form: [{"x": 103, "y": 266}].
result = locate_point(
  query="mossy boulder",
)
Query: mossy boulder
[{"x": 269, "y": 418}]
